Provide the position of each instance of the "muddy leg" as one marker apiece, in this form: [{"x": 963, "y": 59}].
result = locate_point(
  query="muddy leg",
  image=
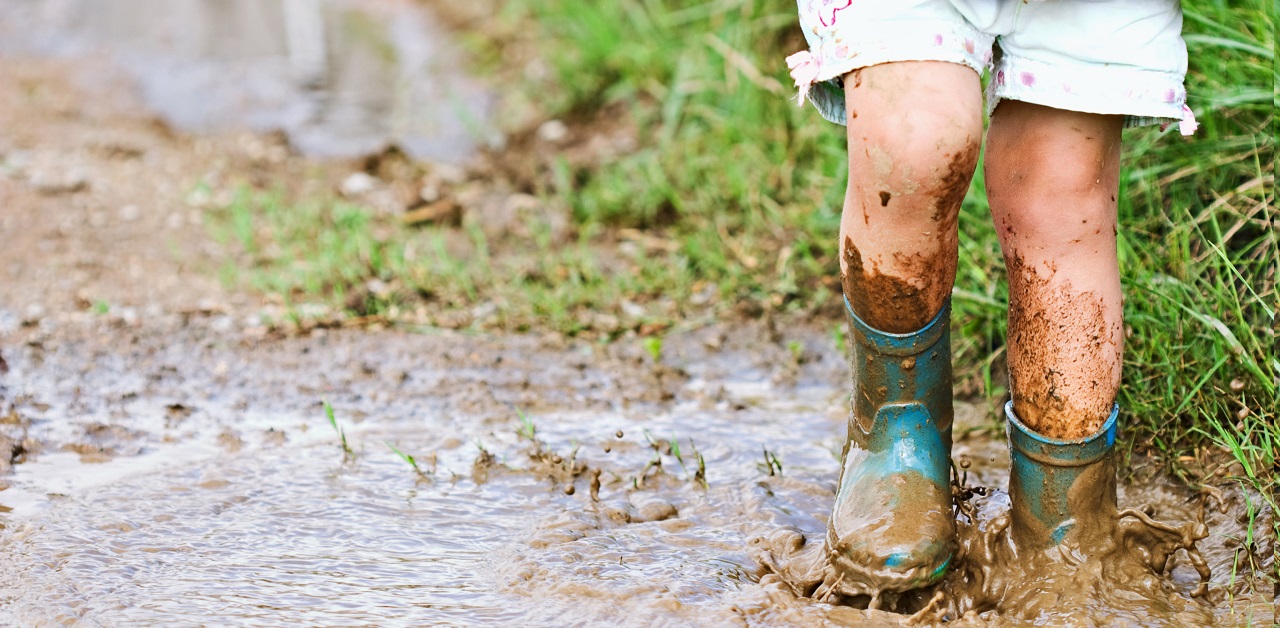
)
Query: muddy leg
[
  {"x": 915, "y": 130},
  {"x": 914, "y": 133},
  {"x": 1052, "y": 178}
]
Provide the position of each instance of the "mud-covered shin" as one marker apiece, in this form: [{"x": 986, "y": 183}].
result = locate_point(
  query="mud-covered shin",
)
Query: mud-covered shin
[
  {"x": 1061, "y": 490},
  {"x": 892, "y": 527}
]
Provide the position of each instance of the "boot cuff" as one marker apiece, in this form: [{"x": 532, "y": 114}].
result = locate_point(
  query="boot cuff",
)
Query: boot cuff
[
  {"x": 1061, "y": 453},
  {"x": 914, "y": 343}
]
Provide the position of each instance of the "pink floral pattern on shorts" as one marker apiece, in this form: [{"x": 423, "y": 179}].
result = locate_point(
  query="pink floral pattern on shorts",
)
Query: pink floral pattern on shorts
[
  {"x": 844, "y": 36},
  {"x": 827, "y": 9}
]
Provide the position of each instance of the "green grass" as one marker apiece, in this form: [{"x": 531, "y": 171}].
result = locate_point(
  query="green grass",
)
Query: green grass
[
  {"x": 347, "y": 453},
  {"x": 737, "y": 192},
  {"x": 411, "y": 461}
]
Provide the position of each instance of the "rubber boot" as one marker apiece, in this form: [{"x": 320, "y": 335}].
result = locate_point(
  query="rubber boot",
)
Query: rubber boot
[
  {"x": 1061, "y": 490},
  {"x": 892, "y": 527}
]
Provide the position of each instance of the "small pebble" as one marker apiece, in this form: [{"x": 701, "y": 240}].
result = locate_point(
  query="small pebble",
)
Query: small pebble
[
  {"x": 357, "y": 183},
  {"x": 618, "y": 434},
  {"x": 569, "y": 490},
  {"x": 651, "y": 508},
  {"x": 553, "y": 131}
]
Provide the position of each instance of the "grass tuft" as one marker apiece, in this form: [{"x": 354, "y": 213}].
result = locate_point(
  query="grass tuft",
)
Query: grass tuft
[
  {"x": 412, "y": 462},
  {"x": 347, "y": 453}
]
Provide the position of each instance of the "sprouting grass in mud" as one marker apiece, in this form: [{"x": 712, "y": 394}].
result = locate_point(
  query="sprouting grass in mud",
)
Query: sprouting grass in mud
[
  {"x": 527, "y": 430},
  {"x": 655, "y": 460},
  {"x": 561, "y": 469},
  {"x": 656, "y": 465},
  {"x": 771, "y": 465},
  {"x": 653, "y": 345},
  {"x": 347, "y": 453},
  {"x": 484, "y": 461},
  {"x": 699, "y": 474},
  {"x": 726, "y": 203},
  {"x": 413, "y": 462}
]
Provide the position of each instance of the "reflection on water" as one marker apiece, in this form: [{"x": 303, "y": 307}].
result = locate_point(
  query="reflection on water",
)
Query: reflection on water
[{"x": 339, "y": 77}]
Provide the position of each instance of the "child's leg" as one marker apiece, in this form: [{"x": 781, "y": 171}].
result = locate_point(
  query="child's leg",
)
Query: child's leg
[
  {"x": 1069, "y": 75},
  {"x": 915, "y": 129},
  {"x": 914, "y": 136},
  {"x": 1052, "y": 177}
]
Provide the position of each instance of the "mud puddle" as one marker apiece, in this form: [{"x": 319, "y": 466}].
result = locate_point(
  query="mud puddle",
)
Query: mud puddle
[
  {"x": 186, "y": 475},
  {"x": 340, "y": 78}
]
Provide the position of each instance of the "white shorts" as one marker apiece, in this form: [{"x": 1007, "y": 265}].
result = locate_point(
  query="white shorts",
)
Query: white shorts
[{"x": 1097, "y": 56}]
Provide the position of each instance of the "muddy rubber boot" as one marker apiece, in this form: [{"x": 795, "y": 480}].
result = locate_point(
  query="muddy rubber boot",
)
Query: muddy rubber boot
[
  {"x": 1061, "y": 490},
  {"x": 892, "y": 528}
]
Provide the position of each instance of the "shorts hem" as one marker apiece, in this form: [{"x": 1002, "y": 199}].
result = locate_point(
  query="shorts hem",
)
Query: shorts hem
[
  {"x": 946, "y": 41},
  {"x": 1143, "y": 96}
]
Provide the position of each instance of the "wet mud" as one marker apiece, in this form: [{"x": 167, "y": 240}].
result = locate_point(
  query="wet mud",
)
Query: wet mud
[
  {"x": 886, "y": 302},
  {"x": 1062, "y": 354},
  {"x": 1132, "y": 567},
  {"x": 954, "y": 185},
  {"x": 228, "y": 494}
]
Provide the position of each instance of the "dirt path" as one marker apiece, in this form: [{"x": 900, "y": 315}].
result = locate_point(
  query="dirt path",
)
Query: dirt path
[{"x": 169, "y": 461}]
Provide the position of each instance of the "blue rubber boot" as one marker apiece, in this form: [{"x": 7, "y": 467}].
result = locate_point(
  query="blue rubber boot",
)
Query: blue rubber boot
[
  {"x": 892, "y": 528},
  {"x": 1061, "y": 490}
]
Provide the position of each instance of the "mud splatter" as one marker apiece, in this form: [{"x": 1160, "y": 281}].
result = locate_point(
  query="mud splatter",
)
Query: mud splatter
[
  {"x": 891, "y": 303},
  {"x": 853, "y": 79},
  {"x": 901, "y": 293},
  {"x": 1118, "y": 571},
  {"x": 954, "y": 185},
  {"x": 1119, "y": 576},
  {"x": 1061, "y": 354}
]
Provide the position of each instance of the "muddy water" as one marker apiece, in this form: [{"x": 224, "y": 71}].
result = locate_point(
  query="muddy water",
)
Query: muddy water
[
  {"x": 339, "y": 77},
  {"x": 185, "y": 475}
]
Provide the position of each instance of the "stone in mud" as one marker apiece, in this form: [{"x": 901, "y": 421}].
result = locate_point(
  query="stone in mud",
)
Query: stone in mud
[
  {"x": 358, "y": 184},
  {"x": 617, "y": 515},
  {"x": 646, "y": 507},
  {"x": 553, "y": 131},
  {"x": 51, "y": 184}
]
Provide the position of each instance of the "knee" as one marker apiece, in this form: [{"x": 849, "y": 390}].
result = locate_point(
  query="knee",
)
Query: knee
[
  {"x": 1040, "y": 198},
  {"x": 1061, "y": 204},
  {"x": 917, "y": 164},
  {"x": 1053, "y": 177}
]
